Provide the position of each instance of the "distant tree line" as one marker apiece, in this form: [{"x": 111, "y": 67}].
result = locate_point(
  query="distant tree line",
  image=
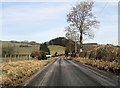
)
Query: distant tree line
[{"x": 24, "y": 42}]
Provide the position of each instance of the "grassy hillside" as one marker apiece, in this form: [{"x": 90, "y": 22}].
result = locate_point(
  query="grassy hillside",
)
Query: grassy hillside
[
  {"x": 62, "y": 41},
  {"x": 104, "y": 52},
  {"x": 20, "y": 50},
  {"x": 8, "y": 43},
  {"x": 56, "y": 48},
  {"x": 31, "y": 48},
  {"x": 89, "y": 47}
]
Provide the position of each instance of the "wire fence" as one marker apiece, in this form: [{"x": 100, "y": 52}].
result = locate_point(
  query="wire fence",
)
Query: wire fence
[
  {"x": 16, "y": 58},
  {"x": 16, "y": 51}
]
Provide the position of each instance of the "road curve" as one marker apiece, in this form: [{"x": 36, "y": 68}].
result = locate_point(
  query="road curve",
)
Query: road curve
[{"x": 65, "y": 72}]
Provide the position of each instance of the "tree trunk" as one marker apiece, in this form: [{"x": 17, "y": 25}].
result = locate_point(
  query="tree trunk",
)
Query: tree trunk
[
  {"x": 70, "y": 46},
  {"x": 75, "y": 47},
  {"x": 81, "y": 38}
]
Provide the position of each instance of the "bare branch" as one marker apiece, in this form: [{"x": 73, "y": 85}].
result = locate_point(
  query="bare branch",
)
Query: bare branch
[{"x": 82, "y": 20}]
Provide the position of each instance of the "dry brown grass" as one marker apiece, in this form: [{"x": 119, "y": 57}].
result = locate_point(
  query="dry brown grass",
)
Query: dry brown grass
[
  {"x": 103, "y": 52},
  {"x": 113, "y": 66},
  {"x": 15, "y": 73}
]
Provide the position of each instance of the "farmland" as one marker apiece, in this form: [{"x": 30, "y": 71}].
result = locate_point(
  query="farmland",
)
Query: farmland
[
  {"x": 31, "y": 48},
  {"x": 56, "y": 48}
]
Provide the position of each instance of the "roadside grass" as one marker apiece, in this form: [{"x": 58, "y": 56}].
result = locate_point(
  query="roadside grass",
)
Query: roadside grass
[
  {"x": 8, "y": 59},
  {"x": 108, "y": 66},
  {"x": 15, "y": 73}
]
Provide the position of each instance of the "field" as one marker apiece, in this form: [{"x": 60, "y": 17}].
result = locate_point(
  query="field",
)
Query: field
[
  {"x": 89, "y": 47},
  {"x": 31, "y": 48},
  {"x": 56, "y": 48},
  {"x": 15, "y": 73}
]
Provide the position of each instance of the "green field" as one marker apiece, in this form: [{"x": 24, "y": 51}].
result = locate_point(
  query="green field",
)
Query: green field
[
  {"x": 56, "y": 48},
  {"x": 29, "y": 50}
]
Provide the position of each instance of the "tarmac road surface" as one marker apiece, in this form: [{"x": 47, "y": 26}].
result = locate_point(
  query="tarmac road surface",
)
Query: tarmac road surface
[{"x": 65, "y": 72}]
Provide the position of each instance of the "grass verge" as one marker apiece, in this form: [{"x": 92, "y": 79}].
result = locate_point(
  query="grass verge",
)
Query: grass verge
[
  {"x": 113, "y": 66},
  {"x": 8, "y": 59},
  {"x": 15, "y": 73}
]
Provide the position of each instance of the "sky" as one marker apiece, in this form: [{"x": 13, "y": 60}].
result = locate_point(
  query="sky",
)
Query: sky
[
  {"x": 43, "y": 21},
  {"x": 119, "y": 23}
]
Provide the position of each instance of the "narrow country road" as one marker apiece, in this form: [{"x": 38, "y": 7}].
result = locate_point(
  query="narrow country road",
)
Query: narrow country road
[{"x": 64, "y": 72}]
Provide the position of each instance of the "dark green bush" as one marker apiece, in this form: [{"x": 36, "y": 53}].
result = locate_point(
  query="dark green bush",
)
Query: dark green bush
[
  {"x": 47, "y": 53},
  {"x": 44, "y": 48},
  {"x": 42, "y": 56}
]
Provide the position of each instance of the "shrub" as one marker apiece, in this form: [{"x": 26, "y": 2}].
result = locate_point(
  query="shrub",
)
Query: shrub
[
  {"x": 7, "y": 51},
  {"x": 40, "y": 55},
  {"x": 73, "y": 54},
  {"x": 35, "y": 54},
  {"x": 47, "y": 53},
  {"x": 67, "y": 52},
  {"x": 44, "y": 48},
  {"x": 106, "y": 53},
  {"x": 56, "y": 54}
]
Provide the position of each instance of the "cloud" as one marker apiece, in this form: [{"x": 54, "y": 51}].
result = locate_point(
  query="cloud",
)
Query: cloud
[
  {"x": 26, "y": 19},
  {"x": 33, "y": 12},
  {"x": 44, "y": 21},
  {"x": 55, "y": 0}
]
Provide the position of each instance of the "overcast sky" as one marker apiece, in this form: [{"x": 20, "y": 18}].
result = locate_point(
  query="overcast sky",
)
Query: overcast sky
[{"x": 42, "y": 21}]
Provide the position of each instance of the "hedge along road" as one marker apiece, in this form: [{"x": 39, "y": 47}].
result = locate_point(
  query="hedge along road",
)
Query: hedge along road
[{"x": 65, "y": 72}]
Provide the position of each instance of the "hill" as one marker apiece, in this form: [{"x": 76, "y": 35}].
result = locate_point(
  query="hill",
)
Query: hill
[
  {"x": 56, "y": 48},
  {"x": 26, "y": 48},
  {"x": 62, "y": 41}
]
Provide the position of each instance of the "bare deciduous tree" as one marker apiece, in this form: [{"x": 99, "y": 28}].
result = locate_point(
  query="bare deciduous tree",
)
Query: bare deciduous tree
[
  {"x": 73, "y": 35},
  {"x": 82, "y": 20}
]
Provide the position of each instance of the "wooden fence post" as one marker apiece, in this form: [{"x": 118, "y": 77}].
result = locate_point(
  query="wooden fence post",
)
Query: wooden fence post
[
  {"x": 26, "y": 57},
  {"x": 5, "y": 58},
  {"x": 15, "y": 57},
  {"x": 29, "y": 56},
  {"x": 18, "y": 56},
  {"x": 10, "y": 59}
]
